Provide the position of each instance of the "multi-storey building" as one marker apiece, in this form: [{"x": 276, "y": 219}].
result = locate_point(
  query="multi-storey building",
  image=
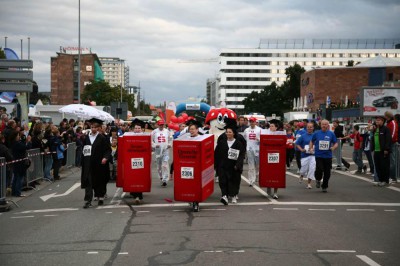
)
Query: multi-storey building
[
  {"x": 243, "y": 70},
  {"x": 65, "y": 72},
  {"x": 115, "y": 71}
]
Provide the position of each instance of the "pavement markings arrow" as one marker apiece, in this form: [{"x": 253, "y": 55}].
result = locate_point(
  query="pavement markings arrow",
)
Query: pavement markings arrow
[{"x": 54, "y": 195}]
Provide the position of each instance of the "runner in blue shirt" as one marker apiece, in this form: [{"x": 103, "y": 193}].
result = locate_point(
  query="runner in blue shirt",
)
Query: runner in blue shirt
[
  {"x": 307, "y": 158},
  {"x": 323, "y": 142},
  {"x": 297, "y": 133}
]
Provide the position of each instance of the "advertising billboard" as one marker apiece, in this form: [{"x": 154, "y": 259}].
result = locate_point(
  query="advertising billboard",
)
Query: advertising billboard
[{"x": 377, "y": 100}]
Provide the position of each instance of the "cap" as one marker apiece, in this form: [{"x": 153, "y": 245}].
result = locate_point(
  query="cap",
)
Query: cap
[
  {"x": 160, "y": 122},
  {"x": 95, "y": 120},
  {"x": 380, "y": 117},
  {"x": 252, "y": 119}
]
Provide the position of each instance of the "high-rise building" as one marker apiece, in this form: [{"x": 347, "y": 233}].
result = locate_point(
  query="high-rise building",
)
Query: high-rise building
[
  {"x": 243, "y": 70},
  {"x": 115, "y": 71},
  {"x": 64, "y": 76}
]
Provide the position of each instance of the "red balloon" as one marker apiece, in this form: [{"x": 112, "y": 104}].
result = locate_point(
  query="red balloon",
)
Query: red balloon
[
  {"x": 180, "y": 119},
  {"x": 174, "y": 119},
  {"x": 185, "y": 116},
  {"x": 190, "y": 118}
]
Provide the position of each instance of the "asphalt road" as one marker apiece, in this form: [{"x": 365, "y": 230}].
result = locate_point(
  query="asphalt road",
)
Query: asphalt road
[{"x": 355, "y": 223}]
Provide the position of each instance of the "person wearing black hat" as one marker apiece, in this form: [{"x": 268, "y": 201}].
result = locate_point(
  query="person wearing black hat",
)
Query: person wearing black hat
[
  {"x": 96, "y": 151},
  {"x": 380, "y": 145},
  {"x": 228, "y": 162}
]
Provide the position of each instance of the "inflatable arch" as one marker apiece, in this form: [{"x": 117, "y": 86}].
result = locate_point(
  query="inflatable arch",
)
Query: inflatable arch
[{"x": 203, "y": 107}]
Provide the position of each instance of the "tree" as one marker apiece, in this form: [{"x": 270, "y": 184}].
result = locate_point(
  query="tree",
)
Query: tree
[
  {"x": 268, "y": 101},
  {"x": 2, "y": 54},
  {"x": 103, "y": 94}
]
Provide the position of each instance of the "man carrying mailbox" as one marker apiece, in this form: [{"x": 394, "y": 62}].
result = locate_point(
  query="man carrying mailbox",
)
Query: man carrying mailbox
[
  {"x": 323, "y": 142},
  {"x": 161, "y": 144}
]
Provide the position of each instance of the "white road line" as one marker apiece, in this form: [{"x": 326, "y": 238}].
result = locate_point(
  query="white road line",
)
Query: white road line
[
  {"x": 218, "y": 251},
  {"x": 327, "y": 210},
  {"x": 142, "y": 211},
  {"x": 369, "y": 180},
  {"x": 238, "y": 251},
  {"x": 338, "y": 203},
  {"x": 50, "y": 210},
  {"x": 50, "y": 215},
  {"x": 390, "y": 210},
  {"x": 212, "y": 209},
  {"x": 108, "y": 212},
  {"x": 123, "y": 253},
  {"x": 209, "y": 251},
  {"x": 367, "y": 260},
  {"x": 93, "y": 252},
  {"x": 262, "y": 192},
  {"x": 360, "y": 210},
  {"x": 178, "y": 210},
  {"x": 286, "y": 209},
  {"x": 335, "y": 251},
  {"x": 21, "y": 217},
  {"x": 116, "y": 195},
  {"x": 377, "y": 252}
]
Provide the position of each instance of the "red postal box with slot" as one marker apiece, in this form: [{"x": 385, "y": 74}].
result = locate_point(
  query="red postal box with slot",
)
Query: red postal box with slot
[
  {"x": 272, "y": 161},
  {"x": 193, "y": 168}
]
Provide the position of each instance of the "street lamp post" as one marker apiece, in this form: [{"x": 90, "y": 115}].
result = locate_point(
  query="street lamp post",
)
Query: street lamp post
[{"x": 79, "y": 53}]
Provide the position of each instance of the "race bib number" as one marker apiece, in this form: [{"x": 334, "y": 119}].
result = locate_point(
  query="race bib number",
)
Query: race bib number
[
  {"x": 233, "y": 154},
  {"x": 323, "y": 145},
  {"x": 273, "y": 157},
  {"x": 290, "y": 141},
  {"x": 187, "y": 173},
  {"x": 137, "y": 163},
  {"x": 307, "y": 148},
  {"x": 87, "y": 150}
]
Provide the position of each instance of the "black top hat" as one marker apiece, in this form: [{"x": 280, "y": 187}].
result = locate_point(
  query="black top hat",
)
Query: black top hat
[
  {"x": 138, "y": 122},
  {"x": 95, "y": 120},
  {"x": 230, "y": 123}
]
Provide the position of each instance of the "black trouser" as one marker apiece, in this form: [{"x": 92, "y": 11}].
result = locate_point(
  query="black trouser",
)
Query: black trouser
[
  {"x": 229, "y": 182},
  {"x": 56, "y": 168},
  {"x": 323, "y": 169},
  {"x": 99, "y": 191},
  {"x": 368, "y": 154},
  {"x": 289, "y": 156},
  {"x": 298, "y": 159},
  {"x": 382, "y": 166}
]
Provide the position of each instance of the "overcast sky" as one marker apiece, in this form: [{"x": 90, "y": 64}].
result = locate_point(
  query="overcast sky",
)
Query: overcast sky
[{"x": 154, "y": 35}]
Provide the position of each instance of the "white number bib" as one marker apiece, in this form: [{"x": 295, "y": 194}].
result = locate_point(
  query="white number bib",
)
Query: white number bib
[
  {"x": 87, "y": 150},
  {"x": 323, "y": 145},
  {"x": 273, "y": 157},
  {"x": 137, "y": 163},
  {"x": 187, "y": 173},
  {"x": 233, "y": 154}
]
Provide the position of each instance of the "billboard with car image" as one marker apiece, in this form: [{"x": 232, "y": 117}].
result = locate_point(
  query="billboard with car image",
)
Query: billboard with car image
[{"x": 377, "y": 100}]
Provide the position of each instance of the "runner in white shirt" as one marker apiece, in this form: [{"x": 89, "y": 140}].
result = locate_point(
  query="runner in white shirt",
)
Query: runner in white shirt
[
  {"x": 252, "y": 137},
  {"x": 161, "y": 143}
]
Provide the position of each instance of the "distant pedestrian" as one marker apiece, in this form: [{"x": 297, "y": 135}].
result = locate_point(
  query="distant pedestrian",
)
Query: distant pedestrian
[
  {"x": 322, "y": 143},
  {"x": 366, "y": 147},
  {"x": 381, "y": 145},
  {"x": 290, "y": 145},
  {"x": 357, "y": 151},
  {"x": 297, "y": 133},
  {"x": 338, "y": 131},
  {"x": 393, "y": 127}
]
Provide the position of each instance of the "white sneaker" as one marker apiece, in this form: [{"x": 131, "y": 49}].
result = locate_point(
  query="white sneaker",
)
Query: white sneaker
[
  {"x": 234, "y": 200},
  {"x": 275, "y": 196},
  {"x": 287, "y": 168},
  {"x": 224, "y": 200},
  {"x": 309, "y": 186}
]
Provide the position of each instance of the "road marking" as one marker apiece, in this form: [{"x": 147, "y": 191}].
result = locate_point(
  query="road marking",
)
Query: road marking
[
  {"x": 178, "y": 210},
  {"x": 108, "y": 212},
  {"x": 365, "y": 179},
  {"x": 20, "y": 217},
  {"x": 93, "y": 252},
  {"x": 260, "y": 209},
  {"x": 377, "y": 252},
  {"x": 116, "y": 195},
  {"x": 123, "y": 253},
  {"x": 262, "y": 192},
  {"x": 142, "y": 211},
  {"x": 213, "y": 209},
  {"x": 238, "y": 251},
  {"x": 367, "y": 260},
  {"x": 66, "y": 193},
  {"x": 286, "y": 209},
  {"x": 360, "y": 210},
  {"x": 50, "y": 210},
  {"x": 328, "y": 210},
  {"x": 50, "y": 215},
  {"x": 390, "y": 210},
  {"x": 335, "y": 251}
]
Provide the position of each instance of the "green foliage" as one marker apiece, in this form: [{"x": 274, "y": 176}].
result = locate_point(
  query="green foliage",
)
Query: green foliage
[
  {"x": 350, "y": 63},
  {"x": 274, "y": 99},
  {"x": 144, "y": 109},
  {"x": 103, "y": 94},
  {"x": 2, "y": 54}
]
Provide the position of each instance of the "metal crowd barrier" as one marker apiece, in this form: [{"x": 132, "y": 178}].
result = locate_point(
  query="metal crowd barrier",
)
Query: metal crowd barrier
[
  {"x": 35, "y": 170},
  {"x": 71, "y": 154},
  {"x": 396, "y": 150}
]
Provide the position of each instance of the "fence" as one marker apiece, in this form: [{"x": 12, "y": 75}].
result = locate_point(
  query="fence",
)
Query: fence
[
  {"x": 3, "y": 183},
  {"x": 35, "y": 170},
  {"x": 396, "y": 151},
  {"x": 71, "y": 154}
]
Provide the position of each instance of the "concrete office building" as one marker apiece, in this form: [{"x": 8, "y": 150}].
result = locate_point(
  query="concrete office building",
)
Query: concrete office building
[
  {"x": 243, "y": 70},
  {"x": 115, "y": 71}
]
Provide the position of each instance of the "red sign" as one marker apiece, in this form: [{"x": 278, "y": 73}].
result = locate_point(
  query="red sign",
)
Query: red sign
[
  {"x": 273, "y": 161},
  {"x": 193, "y": 168}
]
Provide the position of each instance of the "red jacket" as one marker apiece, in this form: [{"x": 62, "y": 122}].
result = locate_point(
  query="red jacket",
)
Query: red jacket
[
  {"x": 290, "y": 142},
  {"x": 394, "y": 130}
]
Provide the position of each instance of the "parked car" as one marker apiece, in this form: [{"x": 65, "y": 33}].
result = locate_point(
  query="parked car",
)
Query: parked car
[{"x": 385, "y": 101}]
